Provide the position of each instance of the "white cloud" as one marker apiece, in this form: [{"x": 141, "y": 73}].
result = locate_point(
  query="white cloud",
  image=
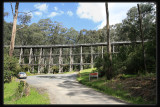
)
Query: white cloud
[
  {"x": 41, "y": 7},
  {"x": 92, "y": 11},
  {"x": 53, "y": 14},
  {"x": 70, "y": 13},
  {"x": 97, "y": 12},
  {"x": 55, "y": 8},
  {"x": 38, "y": 13}
]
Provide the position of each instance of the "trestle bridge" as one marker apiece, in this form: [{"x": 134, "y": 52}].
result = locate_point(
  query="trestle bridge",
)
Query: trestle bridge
[{"x": 41, "y": 57}]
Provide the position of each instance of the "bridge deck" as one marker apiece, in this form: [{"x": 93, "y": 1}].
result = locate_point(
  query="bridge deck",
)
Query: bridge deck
[
  {"x": 58, "y": 64},
  {"x": 73, "y": 45}
]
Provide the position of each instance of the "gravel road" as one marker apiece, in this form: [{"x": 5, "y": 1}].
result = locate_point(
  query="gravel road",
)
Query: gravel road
[{"x": 64, "y": 89}]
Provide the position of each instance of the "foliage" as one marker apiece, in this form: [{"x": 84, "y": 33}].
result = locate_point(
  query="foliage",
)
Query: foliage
[
  {"x": 55, "y": 69},
  {"x": 102, "y": 65},
  {"x": 45, "y": 70},
  {"x": 11, "y": 67}
]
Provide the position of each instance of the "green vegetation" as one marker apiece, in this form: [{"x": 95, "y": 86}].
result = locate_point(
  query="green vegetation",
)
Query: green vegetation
[
  {"x": 112, "y": 87},
  {"x": 33, "y": 98},
  {"x": 11, "y": 67}
]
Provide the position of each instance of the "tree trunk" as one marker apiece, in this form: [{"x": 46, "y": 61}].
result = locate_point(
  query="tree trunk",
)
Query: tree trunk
[
  {"x": 109, "y": 72},
  {"x": 142, "y": 37},
  {"x": 13, "y": 30}
]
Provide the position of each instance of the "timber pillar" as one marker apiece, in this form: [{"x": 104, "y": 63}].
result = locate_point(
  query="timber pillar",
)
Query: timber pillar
[
  {"x": 81, "y": 60},
  {"x": 102, "y": 51},
  {"x": 91, "y": 57},
  {"x": 20, "y": 57},
  {"x": 50, "y": 61},
  {"x": 60, "y": 60},
  {"x": 113, "y": 49},
  {"x": 31, "y": 59},
  {"x": 40, "y": 61},
  {"x": 71, "y": 60}
]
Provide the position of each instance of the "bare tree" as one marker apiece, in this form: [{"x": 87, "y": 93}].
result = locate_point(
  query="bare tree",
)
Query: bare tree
[
  {"x": 13, "y": 29},
  {"x": 109, "y": 72},
  {"x": 142, "y": 37}
]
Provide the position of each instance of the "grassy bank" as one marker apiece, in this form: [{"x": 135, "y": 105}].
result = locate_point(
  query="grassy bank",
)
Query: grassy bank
[
  {"x": 116, "y": 87},
  {"x": 33, "y": 98}
]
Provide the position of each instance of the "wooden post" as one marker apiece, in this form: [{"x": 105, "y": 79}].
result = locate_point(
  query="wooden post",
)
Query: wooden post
[
  {"x": 71, "y": 60},
  {"x": 20, "y": 57},
  {"x": 91, "y": 57},
  {"x": 39, "y": 62},
  {"x": 102, "y": 51},
  {"x": 30, "y": 59},
  {"x": 33, "y": 61},
  {"x": 112, "y": 48},
  {"x": 81, "y": 60},
  {"x": 50, "y": 61},
  {"x": 60, "y": 60}
]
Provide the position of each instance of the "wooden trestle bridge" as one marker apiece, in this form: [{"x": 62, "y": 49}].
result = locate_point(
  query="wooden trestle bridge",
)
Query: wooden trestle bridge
[{"x": 41, "y": 57}]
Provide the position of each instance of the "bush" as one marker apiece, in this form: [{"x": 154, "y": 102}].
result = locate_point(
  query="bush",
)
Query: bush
[
  {"x": 7, "y": 76},
  {"x": 134, "y": 61},
  {"x": 11, "y": 67},
  {"x": 102, "y": 65},
  {"x": 55, "y": 69}
]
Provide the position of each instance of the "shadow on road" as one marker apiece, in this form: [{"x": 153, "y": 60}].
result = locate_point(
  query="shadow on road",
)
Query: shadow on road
[
  {"x": 62, "y": 77},
  {"x": 77, "y": 89}
]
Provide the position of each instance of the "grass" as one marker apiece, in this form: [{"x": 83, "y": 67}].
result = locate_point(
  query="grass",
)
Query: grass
[
  {"x": 33, "y": 98},
  {"x": 101, "y": 85}
]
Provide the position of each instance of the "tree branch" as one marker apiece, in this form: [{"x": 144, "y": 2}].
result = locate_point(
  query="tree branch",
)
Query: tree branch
[
  {"x": 12, "y": 9},
  {"x": 28, "y": 12},
  {"x": 21, "y": 27}
]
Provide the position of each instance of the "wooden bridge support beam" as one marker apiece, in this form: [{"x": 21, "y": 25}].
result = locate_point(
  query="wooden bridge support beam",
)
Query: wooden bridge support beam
[
  {"x": 60, "y": 60},
  {"x": 81, "y": 60},
  {"x": 20, "y": 57},
  {"x": 91, "y": 57},
  {"x": 113, "y": 48},
  {"x": 40, "y": 61},
  {"x": 50, "y": 61},
  {"x": 102, "y": 51},
  {"x": 31, "y": 60},
  {"x": 71, "y": 60}
]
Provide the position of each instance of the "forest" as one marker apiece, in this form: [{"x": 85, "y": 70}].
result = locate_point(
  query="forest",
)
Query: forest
[{"x": 129, "y": 59}]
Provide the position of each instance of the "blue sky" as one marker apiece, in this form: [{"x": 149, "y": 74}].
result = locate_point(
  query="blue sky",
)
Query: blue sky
[{"x": 79, "y": 15}]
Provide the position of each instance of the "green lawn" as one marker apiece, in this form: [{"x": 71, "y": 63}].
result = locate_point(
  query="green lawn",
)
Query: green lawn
[
  {"x": 103, "y": 86},
  {"x": 33, "y": 98}
]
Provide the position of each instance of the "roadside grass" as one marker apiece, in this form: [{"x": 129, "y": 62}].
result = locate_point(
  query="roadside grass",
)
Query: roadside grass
[
  {"x": 33, "y": 98},
  {"x": 102, "y": 85}
]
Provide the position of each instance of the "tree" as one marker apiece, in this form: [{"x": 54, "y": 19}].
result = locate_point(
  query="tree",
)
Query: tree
[
  {"x": 13, "y": 30},
  {"x": 142, "y": 37},
  {"x": 109, "y": 72}
]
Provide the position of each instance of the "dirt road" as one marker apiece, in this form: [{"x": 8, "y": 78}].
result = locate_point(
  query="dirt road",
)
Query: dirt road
[{"x": 64, "y": 89}]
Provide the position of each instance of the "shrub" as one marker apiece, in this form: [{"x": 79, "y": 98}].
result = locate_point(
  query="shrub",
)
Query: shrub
[
  {"x": 102, "y": 65},
  {"x": 11, "y": 67},
  {"x": 55, "y": 69},
  {"x": 134, "y": 61}
]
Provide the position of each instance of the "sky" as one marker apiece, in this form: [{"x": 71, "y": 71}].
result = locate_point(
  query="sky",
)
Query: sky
[{"x": 79, "y": 15}]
